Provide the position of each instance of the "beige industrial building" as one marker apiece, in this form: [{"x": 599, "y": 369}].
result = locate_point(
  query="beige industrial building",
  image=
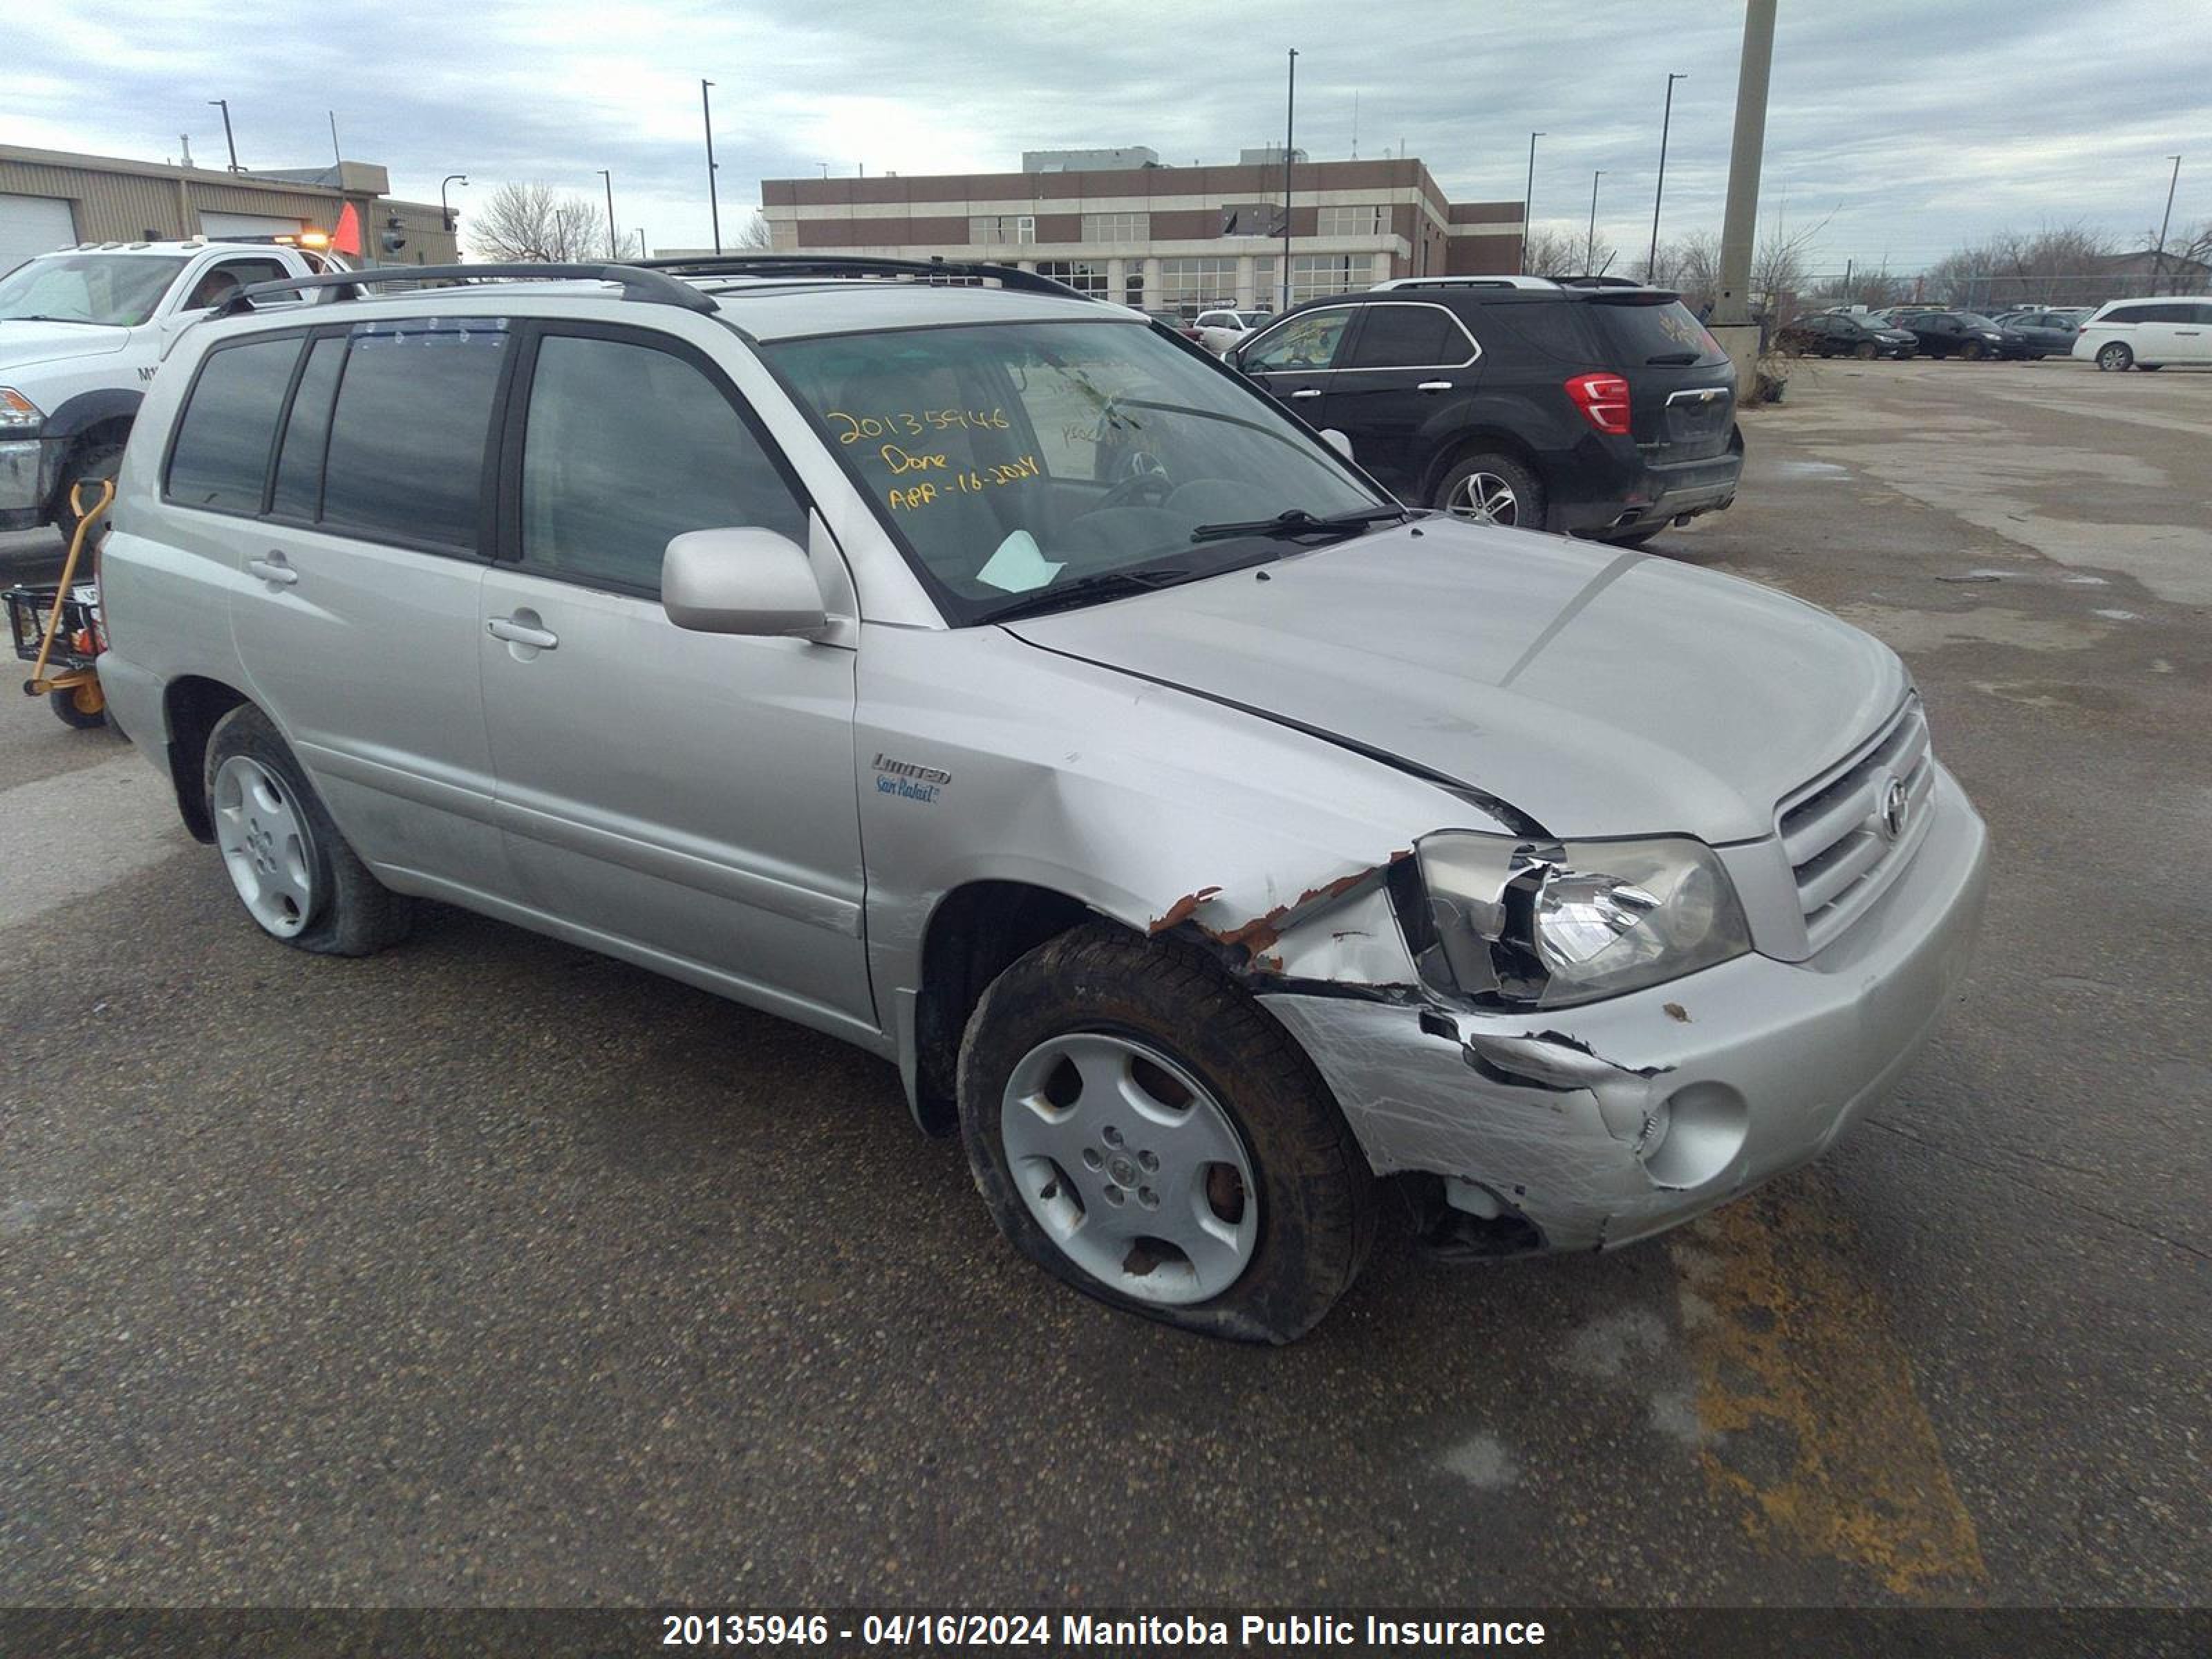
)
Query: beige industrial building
[
  {"x": 51, "y": 199},
  {"x": 1118, "y": 224}
]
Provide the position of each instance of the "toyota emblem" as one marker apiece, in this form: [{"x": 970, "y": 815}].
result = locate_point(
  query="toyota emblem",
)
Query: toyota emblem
[{"x": 1895, "y": 808}]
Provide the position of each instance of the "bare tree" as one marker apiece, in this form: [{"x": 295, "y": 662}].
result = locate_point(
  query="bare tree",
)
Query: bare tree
[
  {"x": 1554, "y": 254},
  {"x": 1779, "y": 267},
  {"x": 752, "y": 234},
  {"x": 530, "y": 222},
  {"x": 1691, "y": 265},
  {"x": 2056, "y": 266}
]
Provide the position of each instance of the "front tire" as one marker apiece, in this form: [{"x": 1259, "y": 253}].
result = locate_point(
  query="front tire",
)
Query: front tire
[
  {"x": 1493, "y": 489},
  {"x": 89, "y": 464},
  {"x": 1973, "y": 351},
  {"x": 2114, "y": 357},
  {"x": 1139, "y": 1126},
  {"x": 290, "y": 868}
]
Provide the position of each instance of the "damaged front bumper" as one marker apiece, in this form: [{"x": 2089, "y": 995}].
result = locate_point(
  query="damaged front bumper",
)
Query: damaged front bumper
[{"x": 1611, "y": 1121}]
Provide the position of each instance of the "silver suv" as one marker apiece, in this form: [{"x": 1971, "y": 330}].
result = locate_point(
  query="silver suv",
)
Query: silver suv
[{"x": 978, "y": 674}]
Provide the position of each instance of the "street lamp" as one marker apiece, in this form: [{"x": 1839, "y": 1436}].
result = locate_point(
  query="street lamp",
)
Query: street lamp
[
  {"x": 1651, "y": 266},
  {"x": 2158, "y": 260},
  {"x": 223, "y": 103},
  {"x": 614, "y": 242},
  {"x": 713, "y": 196},
  {"x": 1290, "y": 128},
  {"x": 446, "y": 212},
  {"x": 1589, "y": 249},
  {"x": 1528, "y": 196}
]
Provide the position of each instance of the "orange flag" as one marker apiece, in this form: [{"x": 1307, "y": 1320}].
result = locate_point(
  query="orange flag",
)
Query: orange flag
[{"x": 346, "y": 238}]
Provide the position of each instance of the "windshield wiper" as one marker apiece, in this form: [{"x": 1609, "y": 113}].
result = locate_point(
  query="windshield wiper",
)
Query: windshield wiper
[
  {"x": 87, "y": 321},
  {"x": 1104, "y": 585},
  {"x": 1286, "y": 526},
  {"x": 1681, "y": 358}
]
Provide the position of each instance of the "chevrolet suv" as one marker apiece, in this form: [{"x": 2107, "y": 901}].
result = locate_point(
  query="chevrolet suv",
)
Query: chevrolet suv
[
  {"x": 1607, "y": 411},
  {"x": 975, "y": 673}
]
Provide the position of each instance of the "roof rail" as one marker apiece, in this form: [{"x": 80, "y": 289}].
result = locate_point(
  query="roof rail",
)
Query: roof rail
[
  {"x": 801, "y": 266},
  {"x": 647, "y": 287}
]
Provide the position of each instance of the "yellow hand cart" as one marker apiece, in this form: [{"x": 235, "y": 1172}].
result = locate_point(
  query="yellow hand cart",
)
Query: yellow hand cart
[{"x": 57, "y": 628}]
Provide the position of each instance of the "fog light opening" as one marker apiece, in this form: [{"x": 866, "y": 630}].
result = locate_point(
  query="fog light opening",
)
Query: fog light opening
[{"x": 1693, "y": 1135}]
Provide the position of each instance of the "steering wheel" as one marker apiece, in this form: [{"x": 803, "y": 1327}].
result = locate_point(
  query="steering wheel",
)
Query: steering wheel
[{"x": 1143, "y": 477}]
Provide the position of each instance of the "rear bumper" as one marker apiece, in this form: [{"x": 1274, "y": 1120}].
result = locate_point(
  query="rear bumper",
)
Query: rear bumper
[{"x": 1637, "y": 495}]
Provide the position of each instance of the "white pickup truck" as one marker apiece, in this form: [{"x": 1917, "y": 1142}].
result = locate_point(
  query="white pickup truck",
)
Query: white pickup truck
[{"x": 81, "y": 333}]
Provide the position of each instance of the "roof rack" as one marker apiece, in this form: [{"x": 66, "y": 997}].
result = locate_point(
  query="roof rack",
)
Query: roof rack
[
  {"x": 801, "y": 266},
  {"x": 647, "y": 287}
]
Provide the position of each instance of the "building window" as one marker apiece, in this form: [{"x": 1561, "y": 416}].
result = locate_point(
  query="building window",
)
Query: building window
[
  {"x": 1191, "y": 286},
  {"x": 1117, "y": 227},
  {"x": 1313, "y": 275},
  {"x": 1133, "y": 290},
  {"x": 1081, "y": 275},
  {"x": 999, "y": 229},
  {"x": 1267, "y": 284},
  {"x": 1365, "y": 220}
]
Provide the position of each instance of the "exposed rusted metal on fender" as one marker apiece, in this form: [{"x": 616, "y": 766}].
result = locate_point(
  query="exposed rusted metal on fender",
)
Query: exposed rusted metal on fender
[{"x": 1251, "y": 944}]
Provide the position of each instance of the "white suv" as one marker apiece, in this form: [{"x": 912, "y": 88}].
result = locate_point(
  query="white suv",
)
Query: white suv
[
  {"x": 81, "y": 333},
  {"x": 969, "y": 670},
  {"x": 2147, "y": 334}
]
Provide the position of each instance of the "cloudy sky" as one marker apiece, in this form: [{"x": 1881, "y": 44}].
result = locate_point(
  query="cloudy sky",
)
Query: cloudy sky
[{"x": 1906, "y": 127}]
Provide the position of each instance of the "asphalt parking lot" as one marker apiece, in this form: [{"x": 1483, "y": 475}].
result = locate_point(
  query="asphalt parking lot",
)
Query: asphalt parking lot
[{"x": 490, "y": 1271}]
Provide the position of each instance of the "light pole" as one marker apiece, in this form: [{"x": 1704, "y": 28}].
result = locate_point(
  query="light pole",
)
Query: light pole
[
  {"x": 1289, "y": 127},
  {"x": 1651, "y": 265},
  {"x": 1589, "y": 249},
  {"x": 223, "y": 103},
  {"x": 614, "y": 241},
  {"x": 714, "y": 196},
  {"x": 1528, "y": 197},
  {"x": 2158, "y": 260},
  {"x": 447, "y": 213}
]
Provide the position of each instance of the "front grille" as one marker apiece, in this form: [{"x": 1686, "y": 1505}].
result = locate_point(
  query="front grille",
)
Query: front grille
[{"x": 1840, "y": 848}]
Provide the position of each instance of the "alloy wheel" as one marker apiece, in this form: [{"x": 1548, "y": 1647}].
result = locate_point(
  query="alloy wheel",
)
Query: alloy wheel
[
  {"x": 1131, "y": 1167},
  {"x": 1484, "y": 498},
  {"x": 265, "y": 845}
]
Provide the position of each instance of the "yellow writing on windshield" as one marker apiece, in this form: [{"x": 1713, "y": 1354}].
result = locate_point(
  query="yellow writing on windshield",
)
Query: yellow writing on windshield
[
  {"x": 914, "y": 424},
  {"x": 966, "y": 481}
]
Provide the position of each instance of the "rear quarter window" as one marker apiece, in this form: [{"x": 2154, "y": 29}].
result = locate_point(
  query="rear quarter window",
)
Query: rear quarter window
[{"x": 220, "y": 459}]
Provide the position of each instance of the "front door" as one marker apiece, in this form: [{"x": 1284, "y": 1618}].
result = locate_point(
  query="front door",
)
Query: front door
[{"x": 686, "y": 799}]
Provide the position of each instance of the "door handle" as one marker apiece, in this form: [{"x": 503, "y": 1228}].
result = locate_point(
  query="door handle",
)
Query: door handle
[
  {"x": 1307, "y": 392},
  {"x": 273, "y": 570},
  {"x": 516, "y": 633},
  {"x": 1434, "y": 385}
]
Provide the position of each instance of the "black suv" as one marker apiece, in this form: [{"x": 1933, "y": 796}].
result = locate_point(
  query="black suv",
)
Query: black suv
[{"x": 1604, "y": 412}]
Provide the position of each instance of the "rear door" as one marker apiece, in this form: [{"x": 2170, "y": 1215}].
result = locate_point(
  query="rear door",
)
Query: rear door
[
  {"x": 357, "y": 614},
  {"x": 1409, "y": 373},
  {"x": 2192, "y": 332},
  {"x": 688, "y": 797},
  {"x": 1296, "y": 360},
  {"x": 1681, "y": 388}
]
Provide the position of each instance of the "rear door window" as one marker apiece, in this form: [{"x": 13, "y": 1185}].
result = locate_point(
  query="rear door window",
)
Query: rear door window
[
  {"x": 407, "y": 440},
  {"x": 1410, "y": 337},
  {"x": 626, "y": 445},
  {"x": 221, "y": 456}
]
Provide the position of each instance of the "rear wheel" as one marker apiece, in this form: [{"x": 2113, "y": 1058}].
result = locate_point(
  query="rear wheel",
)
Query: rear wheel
[
  {"x": 1139, "y": 1126},
  {"x": 2114, "y": 356},
  {"x": 290, "y": 868},
  {"x": 1493, "y": 489}
]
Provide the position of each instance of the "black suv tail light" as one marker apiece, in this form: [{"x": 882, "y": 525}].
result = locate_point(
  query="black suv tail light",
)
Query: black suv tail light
[{"x": 1603, "y": 400}]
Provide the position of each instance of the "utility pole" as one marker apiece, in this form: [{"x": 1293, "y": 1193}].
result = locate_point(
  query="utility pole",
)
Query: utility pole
[
  {"x": 1651, "y": 266},
  {"x": 1589, "y": 249},
  {"x": 1290, "y": 126},
  {"x": 337, "y": 154},
  {"x": 1529, "y": 196},
  {"x": 2158, "y": 260},
  {"x": 1731, "y": 321},
  {"x": 223, "y": 103},
  {"x": 714, "y": 196},
  {"x": 614, "y": 240}
]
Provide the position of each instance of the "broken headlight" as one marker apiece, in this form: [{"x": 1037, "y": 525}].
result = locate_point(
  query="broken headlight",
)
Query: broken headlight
[{"x": 1547, "y": 925}]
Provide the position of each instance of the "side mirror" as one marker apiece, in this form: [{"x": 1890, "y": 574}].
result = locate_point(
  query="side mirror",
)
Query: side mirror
[
  {"x": 1337, "y": 441},
  {"x": 742, "y": 580}
]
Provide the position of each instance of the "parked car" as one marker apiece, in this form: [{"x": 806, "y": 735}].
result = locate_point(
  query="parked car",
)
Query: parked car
[
  {"x": 2147, "y": 333},
  {"x": 1962, "y": 334},
  {"x": 1606, "y": 412},
  {"x": 1207, "y": 838},
  {"x": 1218, "y": 330},
  {"x": 1173, "y": 321},
  {"x": 81, "y": 332},
  {"x": 1845, "y": 334},
  {"x": 2048, "y": 333}
]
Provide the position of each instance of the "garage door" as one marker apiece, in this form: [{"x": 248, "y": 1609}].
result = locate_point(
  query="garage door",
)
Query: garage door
[
  {"x": 219, "y": 225},
  {"x": 33, "y": 224}
]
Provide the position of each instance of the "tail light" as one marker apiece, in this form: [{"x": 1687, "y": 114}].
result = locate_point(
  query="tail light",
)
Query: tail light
[{"x": 1603, "y": 400}]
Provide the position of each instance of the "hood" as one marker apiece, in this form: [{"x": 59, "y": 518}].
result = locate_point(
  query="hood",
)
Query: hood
[
  {"x": 1599, "y": 691},
  {"x": 23, "y": 344}
]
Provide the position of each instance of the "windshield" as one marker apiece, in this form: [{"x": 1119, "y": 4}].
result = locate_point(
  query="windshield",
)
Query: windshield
[
  {"x": 116, "y": 289},
  {"x": 1013, "y": 458}
]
